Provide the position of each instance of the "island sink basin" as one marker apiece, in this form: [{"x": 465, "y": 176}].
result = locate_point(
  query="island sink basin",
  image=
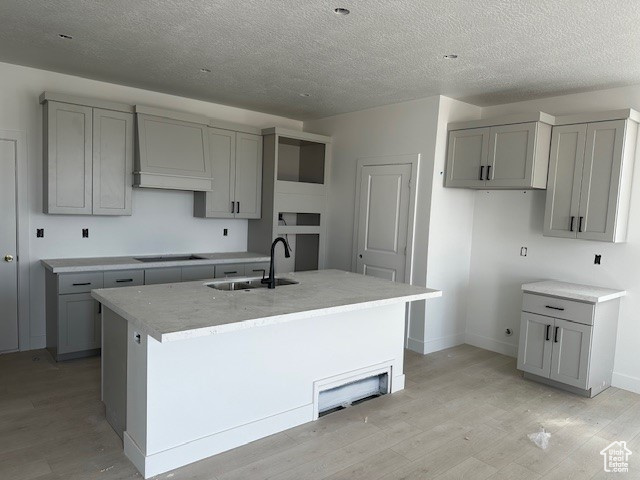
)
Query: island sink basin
[
  {"x": 169, "y": 258},
  {"x": 247, "y": 284}
]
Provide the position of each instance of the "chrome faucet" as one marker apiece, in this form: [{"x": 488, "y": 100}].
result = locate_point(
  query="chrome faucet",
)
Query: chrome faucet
[{"x": 271, "y": 281}]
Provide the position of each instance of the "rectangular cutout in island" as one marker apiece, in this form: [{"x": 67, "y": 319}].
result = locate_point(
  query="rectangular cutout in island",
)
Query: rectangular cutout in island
[{"x": 259, "y": 356}]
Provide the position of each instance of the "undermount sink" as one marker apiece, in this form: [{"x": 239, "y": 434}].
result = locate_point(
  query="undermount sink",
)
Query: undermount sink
[
  {"x": 247, "y": 284},
  {"x": 168, "y": 258}
]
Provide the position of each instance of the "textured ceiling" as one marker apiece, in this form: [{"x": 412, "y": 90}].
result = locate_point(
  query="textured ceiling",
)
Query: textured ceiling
[{"x": 263, "y": 53}]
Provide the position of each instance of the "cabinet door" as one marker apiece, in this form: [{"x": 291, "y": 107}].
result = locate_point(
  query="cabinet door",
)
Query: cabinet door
[
  {"x": 565, "y": 179},
  {"x": 198, "y": 272},
  {"x": 534, "y": 350},
  {"x": 601, "y": 180},
  {"x": 570, "y": 358},
  {"x": 68, "y": 159},
  {"x": 467, "y": 156},
  {"x": 511, "y": 150},
  {"x": 78, "y": 323},
  {"x": 222, "y": 148},
  {"x": 248, "y": 178},
  {"x": 112, "y": 162},
  {"x": 153, "y": 276}
]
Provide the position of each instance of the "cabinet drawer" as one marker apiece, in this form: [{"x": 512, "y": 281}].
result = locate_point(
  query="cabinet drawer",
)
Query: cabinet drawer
[
  {"x": 198, "y": 272},
  {"x": 256, "y": 269},
  {"x": 559, "y": 308},
  {"x": 230, "y": 270},
  {"x": 123, "y": 278},
  {"x": 79, "y": 282}
]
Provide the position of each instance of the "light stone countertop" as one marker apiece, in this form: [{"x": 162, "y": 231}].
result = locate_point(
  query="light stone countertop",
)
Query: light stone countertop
[
  {"x": 176, "y": 311},
  {"x": 573, "y": 291},
  {"x": 101, "y": 264}
]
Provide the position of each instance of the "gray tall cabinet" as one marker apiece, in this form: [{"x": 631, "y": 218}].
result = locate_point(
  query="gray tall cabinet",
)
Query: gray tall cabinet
[
  {"x": 88, "y": 157},
  {"x": 590, "y": 175}
]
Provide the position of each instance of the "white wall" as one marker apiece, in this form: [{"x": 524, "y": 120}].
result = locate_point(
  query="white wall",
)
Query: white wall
[
  {"x": 505, "y": 221},
  {"x": 162, "y": 220},
  {"x": 416, "y": 127}
]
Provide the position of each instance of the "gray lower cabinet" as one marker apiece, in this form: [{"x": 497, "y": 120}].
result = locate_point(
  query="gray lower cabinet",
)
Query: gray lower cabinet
[
  {"x": 237, "y": 177},
  {"x": 72, "y": 315},
  {"x": 88, "y": 160},
  {"x": 590, "y": 175},
  {"x": 258, "y": 269},
  {"x": 153, "y": 276},
  {"x": 568, "y": 344}
]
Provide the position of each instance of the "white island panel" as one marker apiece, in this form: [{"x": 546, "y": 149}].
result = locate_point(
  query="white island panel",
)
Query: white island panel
[{"x": 194, "y": 398}]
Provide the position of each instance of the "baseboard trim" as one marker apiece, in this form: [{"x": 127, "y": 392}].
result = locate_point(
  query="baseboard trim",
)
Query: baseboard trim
[
  {"x": 625, "y": 382},
  {"x": 436, "y": 344},
  {"x": 160, "y": 462},
  {"x": 491, "y": 344}
]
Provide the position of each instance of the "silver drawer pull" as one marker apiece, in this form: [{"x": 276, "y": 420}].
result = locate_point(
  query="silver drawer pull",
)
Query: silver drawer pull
[
  {"x": 81, "y": 284},
  {"x": 554, "y": 308}
]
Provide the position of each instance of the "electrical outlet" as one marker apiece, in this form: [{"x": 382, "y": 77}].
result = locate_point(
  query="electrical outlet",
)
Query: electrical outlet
[
  {"x": 523, "y": 251},
  {"x": 225, "y": 232},
  {"x": 597, "y": 259},
  {"x": 39, "y": 232},
  {"x": 85, "y": 233}
]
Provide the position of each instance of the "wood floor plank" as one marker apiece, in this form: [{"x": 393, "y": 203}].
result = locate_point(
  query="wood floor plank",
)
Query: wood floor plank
[{"x": 465, "y": 413}]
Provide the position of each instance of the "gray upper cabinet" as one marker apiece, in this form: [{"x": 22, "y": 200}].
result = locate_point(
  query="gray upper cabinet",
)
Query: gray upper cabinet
[
  {"x": 67, "y": 158},
  {"x": 510, "y": 156},
  {"x": 172, "y": 154},
  {"x": 236, "y": 159},
  {"x": 112, "y": 162},
  {"x": 248, "y": 181},
  {"x": 591, "y": 168},
  {"x": 467, "y": 158},
  {"x": 88, "y": 160}
]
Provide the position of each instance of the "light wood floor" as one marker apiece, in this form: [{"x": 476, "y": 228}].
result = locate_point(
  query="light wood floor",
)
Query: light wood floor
[{"x": 465, "y": 413}]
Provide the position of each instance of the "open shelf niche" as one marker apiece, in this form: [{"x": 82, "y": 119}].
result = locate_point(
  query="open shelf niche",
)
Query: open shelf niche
[{"x": 295, "y": 168}]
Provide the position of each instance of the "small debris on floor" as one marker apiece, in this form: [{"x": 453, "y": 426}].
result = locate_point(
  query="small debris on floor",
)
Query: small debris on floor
[
  {"x": 466, "y": 438},
  {"x": 541, "y": 438},
  {"x": 106, "y": 469},
  {"x": 366, "y": 419}
]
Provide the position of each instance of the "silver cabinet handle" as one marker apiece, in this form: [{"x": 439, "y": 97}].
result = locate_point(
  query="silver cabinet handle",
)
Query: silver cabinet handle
[
  {"x": 233, "y": 205},
  {"x": 237, "y": 207}
]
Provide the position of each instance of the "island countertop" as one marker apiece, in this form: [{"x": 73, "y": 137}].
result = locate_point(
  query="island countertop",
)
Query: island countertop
[{"x": 176, "y": 311}]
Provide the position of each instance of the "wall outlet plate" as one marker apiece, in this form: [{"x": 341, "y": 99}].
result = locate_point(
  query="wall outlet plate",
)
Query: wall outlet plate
[
  {"x": 39, "y": 232},
  {"x": 597, "y": 259},
  {"x": 85, "y": 233},
  {"x": 523, "y": 251},
  {"x": 225, "y": 232}
]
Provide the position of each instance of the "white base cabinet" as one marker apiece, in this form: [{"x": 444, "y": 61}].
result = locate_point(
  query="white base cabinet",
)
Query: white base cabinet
[{"x": 567, "y": 343}]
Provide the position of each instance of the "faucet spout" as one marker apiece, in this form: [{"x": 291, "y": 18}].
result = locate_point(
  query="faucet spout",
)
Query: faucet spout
[{"x": 271, "y": 281}]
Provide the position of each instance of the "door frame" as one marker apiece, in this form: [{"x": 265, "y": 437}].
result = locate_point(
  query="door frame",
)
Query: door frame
[
  {"x": 412, "y": 159},
  {"x": 22, "y": 234}
]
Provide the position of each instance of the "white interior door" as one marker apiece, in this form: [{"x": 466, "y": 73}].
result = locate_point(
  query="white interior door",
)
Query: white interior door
[
  {"x": 8, "y": 247},
  {"x": 383, "y": 221}
]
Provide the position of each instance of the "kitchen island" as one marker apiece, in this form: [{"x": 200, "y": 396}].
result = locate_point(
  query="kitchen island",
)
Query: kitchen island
[{"x": 190, "y": 371}]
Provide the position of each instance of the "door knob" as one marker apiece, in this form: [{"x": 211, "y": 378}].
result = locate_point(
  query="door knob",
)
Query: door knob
[
  {"x": 360, "y": 255},
  {"x": 8, "y": 258}
]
